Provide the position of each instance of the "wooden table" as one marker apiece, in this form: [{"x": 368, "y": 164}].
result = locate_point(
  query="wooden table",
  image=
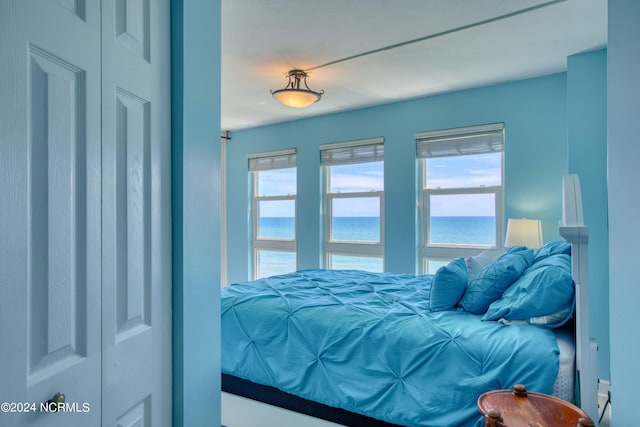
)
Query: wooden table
[{"x": 522, "y": 408}]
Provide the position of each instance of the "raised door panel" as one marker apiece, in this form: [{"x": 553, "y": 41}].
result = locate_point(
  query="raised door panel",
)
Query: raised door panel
[
  {"x": 132, "y": 211},
  {"x": 131, "y": 24},
  {"x": 57, "y": 215}
]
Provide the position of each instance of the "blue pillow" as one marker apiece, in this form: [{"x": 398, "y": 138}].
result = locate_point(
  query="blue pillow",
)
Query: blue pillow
[
  {"x": 515, "y": 249},
  {"x": 552, "y": 248},
  {"x": 544, "y": 289},
  {"x": 448, "y": 285},
  {"x": 494, "y": 279}
]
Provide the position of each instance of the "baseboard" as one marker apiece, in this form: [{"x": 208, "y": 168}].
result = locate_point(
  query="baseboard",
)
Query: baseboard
[{"x": 604, "y": 386}]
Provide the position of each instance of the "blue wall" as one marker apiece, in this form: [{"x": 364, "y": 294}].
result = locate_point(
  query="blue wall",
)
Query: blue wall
[
  {"x": 587, "y": 131},
  {"x": 623, "y": 120},
  {"x": 195, "y": 93},
  {"x": 534, "y": 113}
]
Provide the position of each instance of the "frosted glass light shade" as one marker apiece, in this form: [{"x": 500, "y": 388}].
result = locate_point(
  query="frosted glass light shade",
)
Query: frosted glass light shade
[
  {"x": 524, "y": 232},
  {"x": 296, "y": 98}
]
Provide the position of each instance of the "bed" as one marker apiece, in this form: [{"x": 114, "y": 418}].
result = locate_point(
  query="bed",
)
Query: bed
[{"x": 378, "y": 349}]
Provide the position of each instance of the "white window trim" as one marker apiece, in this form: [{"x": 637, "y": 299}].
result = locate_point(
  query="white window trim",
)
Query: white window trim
[
  {"x": 426, "y": 193},
  {"x": 260, "y": 162},
  {"x": 445, "y": 252},
  {"x": 355, "y": 248},
  {"x": 224, "y": 266},
  {"x": 275, "y": 242},
  {"x": 341, "y": 247}
]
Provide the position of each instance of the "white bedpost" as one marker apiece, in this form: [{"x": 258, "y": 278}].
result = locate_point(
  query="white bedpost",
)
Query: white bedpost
[{"x": 572, "y": 228}]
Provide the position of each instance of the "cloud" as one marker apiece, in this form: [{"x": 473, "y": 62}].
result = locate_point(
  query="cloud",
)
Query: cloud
[
  {"x": 364, "y": 181},
  {"x": 280, "y": 182},
  {"x": 463, "y": 205}
]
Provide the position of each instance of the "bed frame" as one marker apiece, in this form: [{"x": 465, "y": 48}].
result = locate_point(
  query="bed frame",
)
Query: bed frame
[
  {"x": 572, "y": 229},
  {"x": 273, "y": 396}
]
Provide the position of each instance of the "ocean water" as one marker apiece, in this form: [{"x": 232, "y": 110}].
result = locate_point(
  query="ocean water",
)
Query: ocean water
[
  {"x": 469, "y": 230},
  {"x": 476, "y": 230}
]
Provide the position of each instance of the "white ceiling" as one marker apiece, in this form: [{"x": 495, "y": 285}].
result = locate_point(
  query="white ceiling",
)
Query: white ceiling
[{"x": 464, "y": 43}]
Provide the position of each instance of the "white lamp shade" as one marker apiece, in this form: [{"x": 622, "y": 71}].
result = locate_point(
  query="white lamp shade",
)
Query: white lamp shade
[{"x": 524, "y": 232}]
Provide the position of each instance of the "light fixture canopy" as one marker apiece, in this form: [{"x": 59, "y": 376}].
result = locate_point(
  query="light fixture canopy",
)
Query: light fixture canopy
[
  {"x": 295, "y": 96},
  {"x": 524, "y": 232}
]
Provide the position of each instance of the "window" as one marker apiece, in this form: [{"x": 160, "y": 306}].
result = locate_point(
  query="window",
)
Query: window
[
  {"x": 354, "y": 205},
  {"x": 460, "y": 193},
  {"x": 273, "y": 208}
]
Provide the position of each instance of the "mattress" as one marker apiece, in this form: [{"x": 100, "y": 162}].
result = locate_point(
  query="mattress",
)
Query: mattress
[
  {"x": 564, "y": 385},
  {"x": 367, "y": 343}
]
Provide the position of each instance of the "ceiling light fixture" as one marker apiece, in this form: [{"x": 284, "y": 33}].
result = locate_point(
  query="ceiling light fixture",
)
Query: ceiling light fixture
[{"x": 295, "y": 96}]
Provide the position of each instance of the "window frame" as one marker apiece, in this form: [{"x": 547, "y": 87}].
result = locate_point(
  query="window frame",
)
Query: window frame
[
  {"x": 347, "y": 247},
  {"x": 283, "y": 159},
  {"x": 332, "y": 247},
  {"x": 443, "y": 252}
]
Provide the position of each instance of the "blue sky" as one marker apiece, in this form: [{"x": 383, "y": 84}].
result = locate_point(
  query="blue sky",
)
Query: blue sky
[
  {"x": 464, "y": 171},
  {"x": 444, "y": 172}
]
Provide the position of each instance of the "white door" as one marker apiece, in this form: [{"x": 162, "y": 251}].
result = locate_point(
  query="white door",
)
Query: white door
[
  {"x": 136, "y": 213},
  {"x": 50, "y": 226},
  {"x": 84, "y": 276}
]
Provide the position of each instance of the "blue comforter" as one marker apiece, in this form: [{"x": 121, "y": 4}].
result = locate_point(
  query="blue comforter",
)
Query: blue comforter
[{"x": 367, "y": 342}]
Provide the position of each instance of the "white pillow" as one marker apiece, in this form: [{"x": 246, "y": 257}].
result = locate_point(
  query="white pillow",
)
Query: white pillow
[{"x": 476, "y": 263}]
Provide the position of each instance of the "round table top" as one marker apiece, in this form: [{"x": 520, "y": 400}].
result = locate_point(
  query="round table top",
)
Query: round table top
[{"x": 522, "y": 408}]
